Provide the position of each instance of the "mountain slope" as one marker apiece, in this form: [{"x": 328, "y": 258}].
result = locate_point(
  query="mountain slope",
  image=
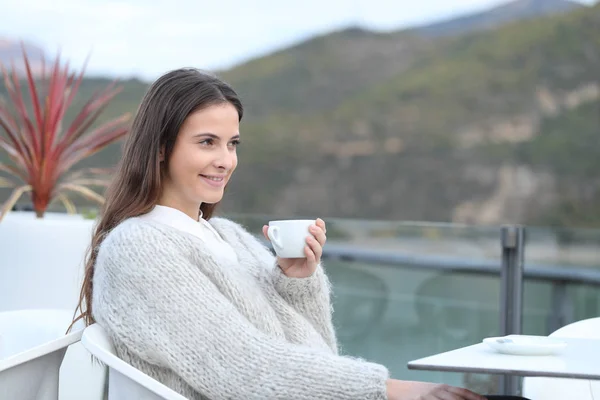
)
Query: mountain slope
[
  {"x": 457, "y": 131},
  {"x": 494, "y": 17},
  {"x": 10, "y": 50},
  {"x": 481, "y": 77},
  {"x": 323, "y": 71},
  {"x": 410, "y": 146}
]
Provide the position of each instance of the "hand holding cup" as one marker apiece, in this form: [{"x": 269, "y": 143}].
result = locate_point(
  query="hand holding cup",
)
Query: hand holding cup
[{"x": 298, "y": 245}]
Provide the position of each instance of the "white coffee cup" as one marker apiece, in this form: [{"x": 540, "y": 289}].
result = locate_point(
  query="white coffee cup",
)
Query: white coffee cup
[{"x": 289, "y": 236}]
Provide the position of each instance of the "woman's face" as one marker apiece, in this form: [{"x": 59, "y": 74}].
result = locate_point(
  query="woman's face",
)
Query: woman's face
[{"x": 204, "y": 157}]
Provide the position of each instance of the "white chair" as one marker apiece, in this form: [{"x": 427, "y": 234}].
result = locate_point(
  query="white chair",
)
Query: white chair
[
  {"x": 125, "y": 382},
  {"x": 536, "y": 388},
  {"x": 32, "y": 347}
]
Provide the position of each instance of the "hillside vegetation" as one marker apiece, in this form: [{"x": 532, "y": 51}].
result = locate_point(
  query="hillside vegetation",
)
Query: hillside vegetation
[{"x": 494, "y": 126}]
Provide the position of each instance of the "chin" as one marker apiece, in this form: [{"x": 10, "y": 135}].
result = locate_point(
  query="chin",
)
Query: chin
[{"x": 211, "y": 199}]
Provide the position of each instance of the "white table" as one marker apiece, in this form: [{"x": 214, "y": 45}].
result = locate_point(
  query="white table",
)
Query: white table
[{"x": 579, "y": 360}]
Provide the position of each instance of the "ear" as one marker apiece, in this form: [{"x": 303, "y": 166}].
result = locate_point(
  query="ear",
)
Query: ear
[{"x": 161, "y": 154}]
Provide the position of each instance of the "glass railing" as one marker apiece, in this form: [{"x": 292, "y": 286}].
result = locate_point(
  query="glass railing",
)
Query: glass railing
[
  {"x": 565, "y": 250},
  {"x": 397, "y": 311}
]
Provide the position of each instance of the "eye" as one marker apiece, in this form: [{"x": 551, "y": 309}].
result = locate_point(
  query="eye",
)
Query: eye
[
  {"x": 207, "y": 142},
  {"x": 235, "y": 143}
]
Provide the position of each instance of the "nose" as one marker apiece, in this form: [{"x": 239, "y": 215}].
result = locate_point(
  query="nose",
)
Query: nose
[{"x": 226, "y": 159}]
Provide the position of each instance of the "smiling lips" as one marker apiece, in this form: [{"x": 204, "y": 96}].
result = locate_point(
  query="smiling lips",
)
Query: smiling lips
[{"x": 214, "y": 180}]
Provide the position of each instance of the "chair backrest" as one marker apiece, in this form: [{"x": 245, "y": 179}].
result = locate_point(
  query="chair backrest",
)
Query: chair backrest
[
  {"x": 584, "y": 329},
  {"x": 32, "y": 347},
  {"x": 125, "y": 381},
  {"x": 558, "y": 389}
]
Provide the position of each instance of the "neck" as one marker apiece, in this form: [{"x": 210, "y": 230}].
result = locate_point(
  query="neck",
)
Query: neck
[{"x": 192, "y": 210}]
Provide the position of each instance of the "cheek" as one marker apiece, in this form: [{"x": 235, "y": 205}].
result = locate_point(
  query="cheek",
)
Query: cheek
[
  {"x": 191, "y": 161},
  {"x": 182, "y": 167}
]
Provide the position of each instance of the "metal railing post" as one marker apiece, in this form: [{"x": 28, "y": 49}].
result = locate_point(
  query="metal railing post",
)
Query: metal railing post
[{"x": 511, "y": 292}]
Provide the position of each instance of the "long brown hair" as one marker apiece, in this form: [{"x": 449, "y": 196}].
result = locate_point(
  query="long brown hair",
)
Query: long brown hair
[{"x": 136, "y": 187}]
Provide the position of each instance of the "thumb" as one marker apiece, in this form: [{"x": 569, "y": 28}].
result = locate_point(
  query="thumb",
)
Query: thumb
[{"x": 264, "y": 230}]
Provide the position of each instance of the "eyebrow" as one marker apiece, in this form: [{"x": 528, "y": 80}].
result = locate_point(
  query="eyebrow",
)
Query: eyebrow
[{"x": 213, "y": 136}]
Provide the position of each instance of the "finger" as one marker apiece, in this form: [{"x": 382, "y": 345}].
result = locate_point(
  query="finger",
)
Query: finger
[
  {"x": 315, "y": 246},
  {"x": 310, "y": 255},
  {"x": 264, "y": 230},
  {"x": 438, "y": 396},
  {"x": 443, "y": 392},
  {"x": 445, "y": 395},
  {"x": 319, "y": 234},
  {"x": 465, "y": 393},
  {"x": 321, "y": 224}
]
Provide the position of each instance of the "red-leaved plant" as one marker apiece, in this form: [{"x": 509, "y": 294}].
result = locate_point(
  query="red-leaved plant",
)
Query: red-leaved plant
[{"x": 41, "y": 151}]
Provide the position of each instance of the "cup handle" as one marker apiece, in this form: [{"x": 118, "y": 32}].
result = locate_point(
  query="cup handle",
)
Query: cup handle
[{"x": 273, "y": 234}]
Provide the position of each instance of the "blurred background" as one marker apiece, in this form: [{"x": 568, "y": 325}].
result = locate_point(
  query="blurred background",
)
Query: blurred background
[{"x": 414, "y": 129}]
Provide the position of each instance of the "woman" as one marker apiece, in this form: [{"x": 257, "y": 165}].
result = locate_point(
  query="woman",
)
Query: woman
[{"x": 196, "y": 301}]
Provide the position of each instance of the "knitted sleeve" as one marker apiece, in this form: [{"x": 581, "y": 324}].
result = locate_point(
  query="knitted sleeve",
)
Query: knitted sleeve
[
  {"x": 167, "y": 312},
  {"x": 311, "y": 296}
]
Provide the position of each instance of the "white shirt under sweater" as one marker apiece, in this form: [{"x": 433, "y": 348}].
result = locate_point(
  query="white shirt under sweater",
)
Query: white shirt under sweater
[
  {"x": 201, "y": 228},
  {"x": 216, "y": 327}
]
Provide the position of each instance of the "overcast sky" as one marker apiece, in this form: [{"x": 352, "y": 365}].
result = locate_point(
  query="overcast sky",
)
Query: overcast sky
[{"x": 148, "y": 37}]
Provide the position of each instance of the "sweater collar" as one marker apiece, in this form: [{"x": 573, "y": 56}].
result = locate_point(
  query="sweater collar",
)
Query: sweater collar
[{"x": 179, "y": 220}]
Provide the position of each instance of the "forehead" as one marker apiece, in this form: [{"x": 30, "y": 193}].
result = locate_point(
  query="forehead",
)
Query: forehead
[{"x": 218, "y": 119}]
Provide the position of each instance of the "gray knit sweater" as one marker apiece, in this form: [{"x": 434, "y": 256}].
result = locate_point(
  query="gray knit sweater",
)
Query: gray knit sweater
[{"x": 215, "y": 331}]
